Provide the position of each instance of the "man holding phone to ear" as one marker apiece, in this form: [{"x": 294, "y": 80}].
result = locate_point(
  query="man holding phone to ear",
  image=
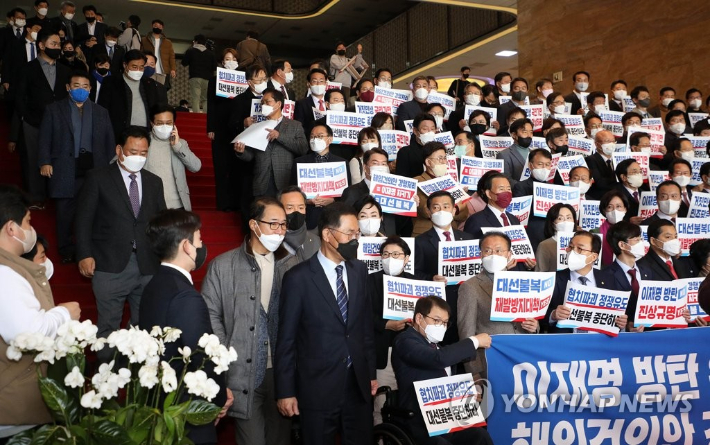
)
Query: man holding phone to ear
[{"x": 169, "y": 156}]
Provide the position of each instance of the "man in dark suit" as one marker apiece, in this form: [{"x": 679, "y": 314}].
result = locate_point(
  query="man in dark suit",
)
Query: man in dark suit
[
  {"x": 65, "y": 21},
  {"x": 416, "y": 106},
  {"x": 42, "y": 82},
  {"x": 281, "y": 77},
  {"x": 91, "y": 33},
  {"x": 416, "y": 357},
  {"x": 581, "y": 84},
  {"x": 114, "y": 207},
  {"x": 681, "y": 172},
  {"x": 304, "y": 109},
  {"x": 320, "y": 152},
  {"x": 601, "y": 166},
  {"x": 299, "y": 241},
  {"x": 625, "y": 273},
  {"x": 630, "y": 184},
  {"x": 519, "y": 90},
  {"x": 582, "y": 251},
  {"x": 669, "y": 201},
  {"x": 410, "y": 159},
  {"x": 14, "y": 31},
  {"x": 111, "y": 49},
  {"x": 426, "y": 246},
  {"x": 497, "y": 194},
  {"x": 75, "y": 136},
  {"x": 663, "y": 258},
  {"x": 325, "y": 354},
  {"x": 170, "y": 300},
  {"x": 515, "y": 157}
]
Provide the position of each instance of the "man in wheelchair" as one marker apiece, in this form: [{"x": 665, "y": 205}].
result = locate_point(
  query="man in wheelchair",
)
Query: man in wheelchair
[{"x": 416, "y": 356}]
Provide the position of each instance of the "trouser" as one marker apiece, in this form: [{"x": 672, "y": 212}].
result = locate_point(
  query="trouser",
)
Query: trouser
[
  {"x": 353, "y": 419},
  {"x": 66, "y": 210},
  {"x": 198, "y": 94},
  {"x": 35, "y": 183},
  {"x": 385, "y": 377},
  {"x": 266, "y": 425},
  {"x": 111, "y": 291},
  {"x": 226, "y": 175}
]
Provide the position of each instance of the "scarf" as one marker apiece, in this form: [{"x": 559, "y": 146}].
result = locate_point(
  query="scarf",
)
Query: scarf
[
  {"x": 99, "y": 78},
  {"x": 296, "y": 238},
  {"x": 200, "y": 47},
  {"x": 82, "y": 120}
]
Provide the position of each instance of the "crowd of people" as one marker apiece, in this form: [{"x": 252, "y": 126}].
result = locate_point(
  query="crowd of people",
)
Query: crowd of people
[{"x": 90, "y": 115}]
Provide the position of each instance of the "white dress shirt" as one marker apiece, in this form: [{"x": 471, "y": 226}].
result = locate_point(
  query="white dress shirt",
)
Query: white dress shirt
[
  {"x": 28, "y": 50},
  {"x": 91, "y": 27},
  {"x": 179, "y": 269},
  {"x": 331, "y": 274},
  {"x": 626, "y": 270},
  {"x": 127, "y": 181},
  {"x": 497, "y": 213},
  {"x": 439, "y": 231}
]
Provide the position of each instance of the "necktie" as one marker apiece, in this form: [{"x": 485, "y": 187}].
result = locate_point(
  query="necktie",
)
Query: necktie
[
  {"x": 504, "y": 217},
  {"x": 608, "y": 164},
  {"x": 133, "y": 195},
  {"x": 673, "y": 220},
  {"x": 283, "y": 90},
  {"x": 583, "y": 280},
  {"x": 33, "y": 54},
  {"x": 110, "y": 52},
  {"x": 342, "y": 298},
  {"x": 670, "y": 266},
  {"x": 685, "y": 199},
  {"x": 447, "y": 235},
  {"x": 18, "y": 33},
  {"x": 634, "y": 282},
  {"x": 321, "y": 107},
  {"x": 636, "y": 196}
]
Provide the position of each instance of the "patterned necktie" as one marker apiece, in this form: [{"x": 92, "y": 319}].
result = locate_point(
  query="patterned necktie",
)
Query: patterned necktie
[
  {"x": 447, "y": 234},
  {"x": 504, "y": 217},
  {"x": 321, "y": 107},
  {"x": 636, "y": 196},
  {"x": 342, "y": 298},
  {"x": 670, "y": 266},
  {"x": 634, "y": 282},
  {"x": 18, "y": 33},
  {"x": 583, "y": 280},
  {"x": 133, "y": 195}
]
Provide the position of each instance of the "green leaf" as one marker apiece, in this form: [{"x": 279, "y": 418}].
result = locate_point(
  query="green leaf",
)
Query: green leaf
[
  {"x": 159, "y": 430},
  {"x": 142, "y": 422},
  {"x": 78, "y": 431},
  {"x": 24, "y": 438},
  {"x": 169, "y": 400},
  {"x": 78, "y": 360},
  {"x": 49, "y": 434},
  {"x": 180, "y": 428},
  {"x": 63, "y": 407},
  {"x": 170, "y": 426},
  {"x": 106, "y": 432},
  {"x": 201, "y": 412}
]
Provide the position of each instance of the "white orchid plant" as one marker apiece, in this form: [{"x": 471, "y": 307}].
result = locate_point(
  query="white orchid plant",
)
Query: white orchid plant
[{"x": 145, "y": 402}]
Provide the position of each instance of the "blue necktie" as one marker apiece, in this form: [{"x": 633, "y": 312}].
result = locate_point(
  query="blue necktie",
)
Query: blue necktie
[
  {"x": 33, "y": 55},
  {"x": 342, "y": 298}
]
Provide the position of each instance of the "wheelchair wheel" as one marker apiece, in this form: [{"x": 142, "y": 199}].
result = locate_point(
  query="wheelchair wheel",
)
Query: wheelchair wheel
[{"x": 390, "y": 434}]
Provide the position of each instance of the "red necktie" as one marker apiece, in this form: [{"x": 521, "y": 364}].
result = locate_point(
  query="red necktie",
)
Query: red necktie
[
  {"x": 283, "y": 90},
  {"x": 636, "y": 196},
  {"x": 685, "y": 199},
  {"x": 634, "y": 282},
  {"x": 670, "y": 266},
  {"x": 447, "y": 234},
  {"x": 321, "y": 107},
  {"x": 504, "y": 217}
]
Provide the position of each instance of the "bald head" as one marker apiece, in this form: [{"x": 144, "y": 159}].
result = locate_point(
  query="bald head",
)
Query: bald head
[{"x": 604, "y": 137}]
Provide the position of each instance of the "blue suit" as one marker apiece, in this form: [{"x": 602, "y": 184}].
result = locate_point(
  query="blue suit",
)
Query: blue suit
[{"x": 558, "y": 295}]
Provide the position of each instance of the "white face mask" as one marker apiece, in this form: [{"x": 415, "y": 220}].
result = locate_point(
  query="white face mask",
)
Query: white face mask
[
  {"x": 442, "y": 219},
  {"x": 369, "y": 226},
  {"x": 421, "y": 93},
  {"x": 473, "y": 99},
  {"x": 271, "y": 242},
  {"x": 162, "y": 131},
  {"x": 317, "y": 145},
  {"x": 42, "y": 11},
  {"x": 599, "y": 109},
  {"x": 33, "y": 34},
  {"x": 581, "y": 86},
  {"x": 384, "y": 84},
  {"x": 434, "y": 334},
  {"x": 669, "y": 206},
  {"x": 581, "y": 185},
  {"x": 317, "y": 90},
  {"x": 609, "y": 149},
  {"x": 547, "y": 92},
  {"x": 576, "y": 261},
  {"x": 696, "y": 103},
  {"x": 687, "y": 155},
  {"x": 494, "y": 263},
  {"x": 677, "y": 128},
  {"x": 615, "y": 216},
  {"x": 682, "y": 180},
  {"x": 231, "y": 64},
  {"x": 672, "y": 247},
  {"x": 135, "y": 75},
  {"x": 619, "y": 94},
  {"x": 565, "y": 226},
  {"x": 289, "y": 77},
  {"x": 505, "y": 87},
  {"x": 379, "y": 169},
  {"x": 69, "y": 16},
  {"x": 337, "y": 107},
  {"x": 666, "y": 101},
  {"x": 439, "y": 170},
  {"x": 393, "y": 266},
  {"x": 593, "y": 132},
  {"x": 427, "y": 137},
  {"x": 439, "y": 122},
  {"x": 637, "y": 250},
  {"x": 133, "y": 164},
  {"x": 541, "y": 174},
  {"x": 48, "y": 268},
  {"x": 19, "y": 23},
  {"x": 635, "y": 181},
  {"x": 560, "y": 109},
  {"x": 260, "y": 87},
  {"x": 645, "y": 149},
  {"x": 110, "y": 43},
  {"x": 30, "y": 238},
  {"x": 367, "y": 146},
  {"x": 266, "y": 110}
]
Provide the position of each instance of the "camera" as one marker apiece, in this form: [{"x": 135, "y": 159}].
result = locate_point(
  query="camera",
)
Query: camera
[{"x": 209, "y": 44}]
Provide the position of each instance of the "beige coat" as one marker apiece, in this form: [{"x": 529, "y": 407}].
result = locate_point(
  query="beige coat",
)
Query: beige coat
[{"x": 423, "y": 222}]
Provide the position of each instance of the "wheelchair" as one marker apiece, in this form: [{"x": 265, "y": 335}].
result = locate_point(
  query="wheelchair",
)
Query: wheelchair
[{"x": 393, "y": 429}]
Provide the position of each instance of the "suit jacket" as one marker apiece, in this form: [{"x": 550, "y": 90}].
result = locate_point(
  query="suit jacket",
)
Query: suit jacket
[
  {"x": 277, "y": 160},
  {"x": 604, "y": 178},
  {"x": 486, "y": 218},
  {"x": 614, "y": 106},
  {"x": 289, "y": 91},
  {"x": 633, "y": 209},
  {"x": 422, "y": 222},
  {"x": 34, "y": 92},
  {"x": 181, "y": 159},
  {"x": 502, "y": 117},
  {"x": 410, "y": 159},
  {"x": 71, "y": 28},
  {"x": 314, "y": 342},
  {"x": 167, "y": 53},
  {"x": 384, "y": 338},
  {"x": 56, "y": 144},
  {"x": 513, "y": 163},
  {"x": 408, "y": 111},
  {"x": 660, "y": 269},
  {"x": 558, "y": 297},
  {"x": 303, "y": 113},
  {"x": 240, "y": 110},
  {"x": 116, "y": 95},
  {"x": 354, "y": 193},
  {"x": 83, "y": 34},
  {"x": 170, "y": 300},
  {"x": 13, "y": 65},
  {"x": 524, "y": 188},
  {"x": 116, "y": 61},
  {"x": 105, "y": 225},
  {"x": 650, "y": 219},
  {"x": 615, "y": 277},
  {"x": 219, "y": 112},
  {"x": 8, "y": 38},
  {"x": 574, "y": 100}
]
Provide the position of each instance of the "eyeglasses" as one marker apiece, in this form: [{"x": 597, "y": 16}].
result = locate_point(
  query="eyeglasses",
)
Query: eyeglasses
[
  {"x": 577, "y": 249},
  {"x": 500, "y": 252},
  {"x": 351, "y": 235},
  {"x": 395, "y": 255},
  {"x": 437, "y": 321},
  {"x": 439, "y": 159},
  {"x": 274, "y": 225}
]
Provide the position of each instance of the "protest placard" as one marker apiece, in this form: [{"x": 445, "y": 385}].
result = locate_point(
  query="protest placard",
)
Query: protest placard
[
  {"x": 535, "y": 114},
  {"x": 647, "y": 204},
  {"x": 391, "y": 97},
  {"x": 372, "y": 108},
  {"x": 643, "y": 159},
  {"x": 627, "y": 104},
  {"x": 546, "y": 195},
  {"x": 491, "y": 146},
  {"x": 256, "y": 115},
  {"x": 699, "y": 203},
  {"x": 580, "y": 145},
  {"x": 473, "y": 168},
  {"x": 574, "y": 124},
  {"x": 446, "y": 101},
  {"x": 518, "y": 296},
  {"x": 563, "y": 239},
  {"x": 583, "y": 101},
  {"x": 449, "y": 404},
  {"x": 230, "y": 83},
  {"x": 696, "y": 164},
  {"x": 611, "y": 121},
  {"x": 594, "y": 309},
  {"x": 590, "y": 217},
  {"x": 447, "y": 139},
  {"x": 538, "y": 142},
  {"x": 452, "y": 167},
  {"x": 394, "y": 193},
  {"x": 656, "y": 177},
  {"x": 700, "y": 144},
  {"x": 392, "y": 141},
  {"x": 520, "y": 208},
  {"x": 553, "y": 168},
  {"x": 492, "y": 113},
  {"x": 368, "y": 251},
  {"x": 459, "y": 260},
  {"x": 652, "y": 123},
  {"x": 689, "y": 231},
  {"x": 519, "y": 242},
  {"x": 661, "y": 304},
  {"x": 401, "y": 294},
  {"x": 656, "y": 137},
  {"x": 254, "y": 136},
  {"x": 326, "y": 179},
  {"x": 693, "y": 305},
  {"x": 696, "y": 117},
  {"x": 444, "y": 183},
  {"x": 409, "y": 126},
  {"x": 346, "y": 126},
  {"x": 567, "y": 163}
]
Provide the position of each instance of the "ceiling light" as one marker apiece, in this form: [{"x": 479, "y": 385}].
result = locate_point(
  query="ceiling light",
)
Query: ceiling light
[{"x": 506, "y": 53}]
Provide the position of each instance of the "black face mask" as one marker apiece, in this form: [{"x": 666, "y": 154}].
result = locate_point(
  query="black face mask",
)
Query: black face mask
[
  {"x": 348, "y": 250},
  {"x": 341, "y": 52},
  {"x": 157, "y": 30},
  {"x": 90, "y": 19},
  {"x": 519, "y": 96},
  {"x": 478, "y": 129},
  {"x": 524, "y": 142},
  {"x": 69, "y": 53},
  {"x": 53, "y": 53},
  {"x": 465, "y": 75},
  {"x": 644, "y": 102},
  {"x": 295, "y": 220},
  {"x": 562, "y": 149},
  {"x": 102, "y": 71},
  {"x": 200, "y": 256}
]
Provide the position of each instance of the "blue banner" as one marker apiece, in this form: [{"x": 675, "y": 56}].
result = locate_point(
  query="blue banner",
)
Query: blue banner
[{"x": 637, "y": 388}]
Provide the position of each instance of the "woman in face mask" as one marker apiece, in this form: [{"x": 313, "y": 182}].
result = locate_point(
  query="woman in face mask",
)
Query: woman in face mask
[
  {"x": 561, "y": 218},
  {"x": 439, "y": 114},
  {"x": 73, "y": 58},
  {"x": 384, "y": 121},
  {"x": 369, "y": 217},
  {"x": 38, "y": 255},
  {"x": 613, "y": 207},
  {"x": 478, "y": 123},
  {"x": 550, "y": 124},
  {"x": 367, "y": 139}
]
